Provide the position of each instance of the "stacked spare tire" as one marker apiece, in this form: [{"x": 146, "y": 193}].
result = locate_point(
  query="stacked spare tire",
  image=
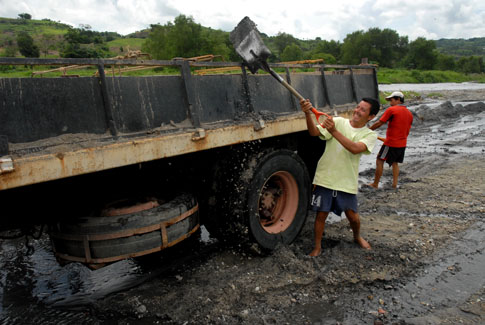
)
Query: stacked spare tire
[{"x": 126, "y": 229}]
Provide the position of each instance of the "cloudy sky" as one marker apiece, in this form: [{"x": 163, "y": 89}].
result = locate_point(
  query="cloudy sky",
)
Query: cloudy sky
[{"x": 304, "y": 19}]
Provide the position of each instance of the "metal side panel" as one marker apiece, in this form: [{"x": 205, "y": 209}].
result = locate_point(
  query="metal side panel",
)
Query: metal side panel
[
  {"x": 310, "y": 86},
  {"x": 340, "y": 89},
  {"x": 221, "y": 97},
  {"x": 33, "y": 108},
  {"x": 42, "y": 168},
  {"x": 144, "y": 103}
]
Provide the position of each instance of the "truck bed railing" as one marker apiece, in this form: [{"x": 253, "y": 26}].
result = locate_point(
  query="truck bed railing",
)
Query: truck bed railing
[{"x": 133, "y": 119}]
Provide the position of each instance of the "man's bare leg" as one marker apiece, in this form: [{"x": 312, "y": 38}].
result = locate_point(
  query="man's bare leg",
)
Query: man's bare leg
[
  {"x": 395, "y": 174},
  {"x": 378, "y": 174},
  {"x": 319, "y": 228},
  {"x": 354, "y": 221}
]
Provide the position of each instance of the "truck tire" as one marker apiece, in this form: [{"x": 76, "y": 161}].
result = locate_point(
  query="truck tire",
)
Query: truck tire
[
  {"x": 130, "y": 231},
  {"x": 278, "y": 198},
  {"x": 265, "y": 201}
]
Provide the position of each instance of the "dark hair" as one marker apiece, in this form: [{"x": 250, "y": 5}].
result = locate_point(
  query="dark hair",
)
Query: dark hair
[
  {"x": 400, "y": 98},
  {"x": 374, "y": 105}
]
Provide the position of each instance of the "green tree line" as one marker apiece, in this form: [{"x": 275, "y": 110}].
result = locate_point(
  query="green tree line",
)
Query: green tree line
[{"x": 185, "y": 38}]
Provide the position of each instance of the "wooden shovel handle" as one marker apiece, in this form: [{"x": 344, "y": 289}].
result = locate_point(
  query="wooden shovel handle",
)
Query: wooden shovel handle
[{"x": 317, "y": 113}]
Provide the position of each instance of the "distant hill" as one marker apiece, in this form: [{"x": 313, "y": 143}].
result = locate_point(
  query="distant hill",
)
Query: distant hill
[
  {"x": 462, "y": 47},
  {"x": 50, "y": 34},
  {"x": 9, "y": 27}
]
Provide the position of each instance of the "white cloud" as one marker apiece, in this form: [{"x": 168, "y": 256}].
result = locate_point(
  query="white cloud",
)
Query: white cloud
[{"x": 305, "y": 19}]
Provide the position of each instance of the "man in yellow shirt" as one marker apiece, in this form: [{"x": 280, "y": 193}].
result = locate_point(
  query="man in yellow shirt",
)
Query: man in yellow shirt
[{"x": 336, "y": 176}]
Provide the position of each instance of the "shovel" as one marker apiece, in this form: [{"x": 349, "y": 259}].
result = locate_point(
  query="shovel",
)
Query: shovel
[{"x": 250, "y": 47}]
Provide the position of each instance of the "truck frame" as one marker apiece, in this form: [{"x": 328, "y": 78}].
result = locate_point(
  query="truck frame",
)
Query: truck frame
[{"x": 120, "y": 166}]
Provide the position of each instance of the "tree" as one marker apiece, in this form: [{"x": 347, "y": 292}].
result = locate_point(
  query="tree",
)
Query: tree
[
  {"x": 217, "y": 42},
  {"x": 422, "y": 54},
  {"x": 26, "y": 45},
  {"x": 282, "y": 41},
  {"x": 9, "y": 47},
  {"x": 471, "y": 64},
  {"x": 157, "y": 42},
  {"x": 327, "y": 58},
  {"x": 445, "y": 62},
  {"x": 185, "y": 38},
  {"x": 385, "y": 47},
  {"x": 84, "y": 43},
  {"x": 73, "y": 50},
  {"x": 333, "y": 48},
  {"x": 292, "y": 53},
  {"x": 25, "y": 16},
  {"x": 47, "y": 42},
  {"x": 354, "y": 48}
]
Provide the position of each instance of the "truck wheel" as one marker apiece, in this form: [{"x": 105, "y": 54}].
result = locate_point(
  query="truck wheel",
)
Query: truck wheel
[
  {"x": 262, "y": 197},
  {"x": 277, "y": 198}
]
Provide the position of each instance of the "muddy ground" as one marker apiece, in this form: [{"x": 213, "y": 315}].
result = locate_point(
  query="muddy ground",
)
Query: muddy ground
[{"x": 426, "y": 265}]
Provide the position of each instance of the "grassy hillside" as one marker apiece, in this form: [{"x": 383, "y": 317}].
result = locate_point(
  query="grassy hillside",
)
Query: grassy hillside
[
  {"x": 462, "y": 47},
  {"x": 50, "y": 34},
  {"x": 10, "y": 27},
  {"x": 126, "y": 44}
]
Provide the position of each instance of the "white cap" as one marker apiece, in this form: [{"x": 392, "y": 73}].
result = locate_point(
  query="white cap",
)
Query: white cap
[{"x": 395, "y": 94}]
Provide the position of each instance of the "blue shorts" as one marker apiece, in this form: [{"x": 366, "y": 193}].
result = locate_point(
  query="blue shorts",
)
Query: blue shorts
[{"x": 327, "y": 200}]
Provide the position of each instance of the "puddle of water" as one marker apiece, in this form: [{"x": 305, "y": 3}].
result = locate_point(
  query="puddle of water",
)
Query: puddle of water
[
  {"x": 205, "y": 237},
  {"x": 320, "y": 313},
  {"x": 37, "y": 281},
  {"x": 41, "y": 279}
]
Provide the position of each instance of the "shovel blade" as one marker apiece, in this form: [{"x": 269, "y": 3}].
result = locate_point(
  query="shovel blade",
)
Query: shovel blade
[{"x": 249, "y": 46}]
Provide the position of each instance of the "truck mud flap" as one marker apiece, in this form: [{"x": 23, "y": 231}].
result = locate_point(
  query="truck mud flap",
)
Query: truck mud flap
[{"x": 126, "y": 232}]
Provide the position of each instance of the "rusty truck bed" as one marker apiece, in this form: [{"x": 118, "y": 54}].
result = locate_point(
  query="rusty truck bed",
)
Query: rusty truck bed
[{"x": 52, "y": 128}]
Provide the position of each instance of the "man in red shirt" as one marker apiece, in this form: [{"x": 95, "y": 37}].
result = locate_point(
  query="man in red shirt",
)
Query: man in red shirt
[{"x": 399, "y": 120}]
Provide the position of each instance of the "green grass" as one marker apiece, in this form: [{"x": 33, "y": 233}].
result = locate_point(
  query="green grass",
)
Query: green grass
[
  {"x": 409, "y": 95},
  {"x": 384, "y": 76},
  {"x": 10, "y": 27},
  {"x": 392, "y": 76},
  {"x": 132, "y": 43},
  {"x": 21, "y": 71},
  {"x": 121, "y": 46}
]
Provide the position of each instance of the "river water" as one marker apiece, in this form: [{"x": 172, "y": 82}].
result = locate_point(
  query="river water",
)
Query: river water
[
  {"x": 431, "y": 87},
  {"x": 438, "y": 136}
]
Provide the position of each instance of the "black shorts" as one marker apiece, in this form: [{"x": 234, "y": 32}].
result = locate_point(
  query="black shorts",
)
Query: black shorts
[{"x": 391, "y": 154}]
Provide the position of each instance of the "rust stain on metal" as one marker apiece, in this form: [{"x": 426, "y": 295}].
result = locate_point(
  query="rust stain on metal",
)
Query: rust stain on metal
[
  {"x": 87, "y": 239},
  {"x": 36, "y": 169}
]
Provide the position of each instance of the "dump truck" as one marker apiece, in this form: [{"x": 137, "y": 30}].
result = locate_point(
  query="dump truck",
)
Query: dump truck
[{"x": 114, "y": 166}]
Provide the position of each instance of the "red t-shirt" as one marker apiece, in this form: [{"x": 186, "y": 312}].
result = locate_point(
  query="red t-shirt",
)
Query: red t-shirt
[{"x": 399, "y": 120}]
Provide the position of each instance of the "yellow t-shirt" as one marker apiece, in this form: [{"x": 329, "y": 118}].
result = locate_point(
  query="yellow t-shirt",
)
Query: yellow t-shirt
[{"x": 338, "y": 168}]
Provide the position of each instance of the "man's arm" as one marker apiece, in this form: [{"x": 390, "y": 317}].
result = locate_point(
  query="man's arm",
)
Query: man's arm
[
  {"x": 306, "y": 106},
  {"x": 376, "y": 125},
  {"x": 353, "y": 147}
]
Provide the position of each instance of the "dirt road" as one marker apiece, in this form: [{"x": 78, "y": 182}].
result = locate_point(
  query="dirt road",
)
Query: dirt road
[{"x": 426, "y": 265}]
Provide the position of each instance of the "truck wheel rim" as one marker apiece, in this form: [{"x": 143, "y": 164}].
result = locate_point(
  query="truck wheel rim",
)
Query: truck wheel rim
[{"x": 278, "y": 202}]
